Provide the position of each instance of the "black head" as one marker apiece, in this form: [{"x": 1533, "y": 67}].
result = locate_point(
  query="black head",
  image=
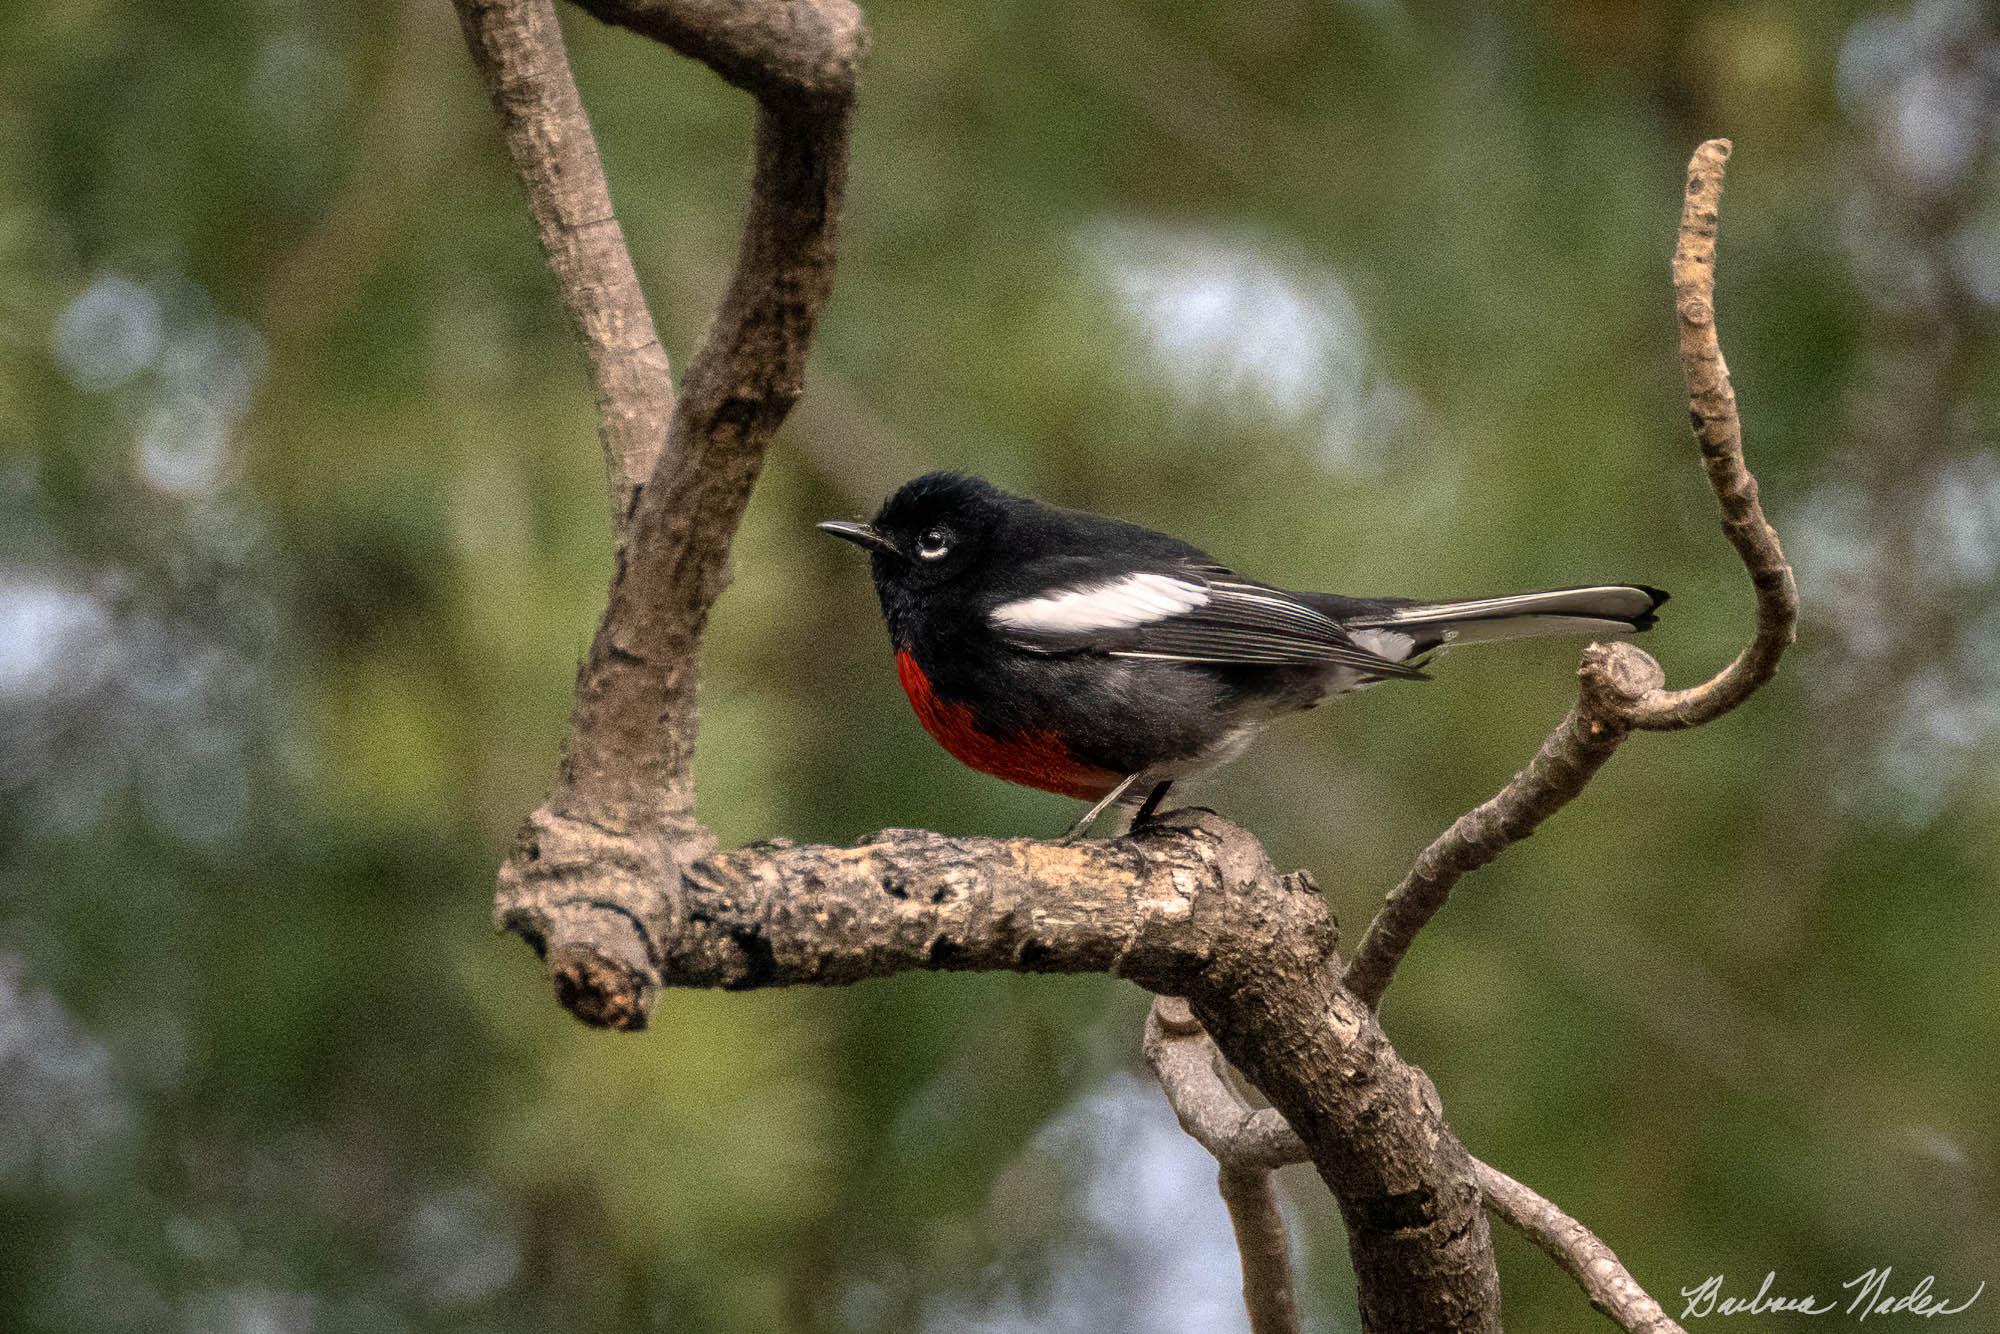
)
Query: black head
[
  {"x": 930, "y": 534},
  {"x": 931, "y": 530}
]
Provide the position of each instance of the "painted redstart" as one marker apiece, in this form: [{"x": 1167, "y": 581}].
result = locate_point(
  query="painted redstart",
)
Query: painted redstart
[{"x": 1094, "y": 658}]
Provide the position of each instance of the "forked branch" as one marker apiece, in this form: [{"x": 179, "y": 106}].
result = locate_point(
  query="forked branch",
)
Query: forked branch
[
  {"x": 614, "y": 881},
  {"x": 593, "y": 858},
  {"x": 1623, "y": 688}
]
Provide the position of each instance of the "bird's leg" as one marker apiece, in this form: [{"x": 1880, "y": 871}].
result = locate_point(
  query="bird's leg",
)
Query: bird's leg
[
  {"x": 1082, "y": 827},
  {"x": 1152, "y": 806}
]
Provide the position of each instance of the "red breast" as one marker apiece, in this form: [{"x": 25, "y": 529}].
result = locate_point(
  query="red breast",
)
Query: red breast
[{"x": 1032, "y": 759}]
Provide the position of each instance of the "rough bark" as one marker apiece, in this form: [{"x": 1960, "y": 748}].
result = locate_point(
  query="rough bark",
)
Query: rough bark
[
  {"x": 1718, "y": 428},
  {"x": 620, "y": 819}
]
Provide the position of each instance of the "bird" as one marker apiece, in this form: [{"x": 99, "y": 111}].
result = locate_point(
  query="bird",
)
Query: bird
[{"x": 1082, "y": 655}]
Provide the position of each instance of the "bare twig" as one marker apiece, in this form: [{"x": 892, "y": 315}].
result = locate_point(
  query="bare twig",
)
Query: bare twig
[
  {"x": 1718, "y": 428},
  {"x": 1609, "y": 1285},
  {"x": 1246, "y": 1142},
  {"x": 1623, "y": 688},
  {"x": 1213, "y": 1113},
  {"x": 1260, "y": 1241},
  {"x": 1612, "y": 683},
  {"x": 519, "y": 52}
]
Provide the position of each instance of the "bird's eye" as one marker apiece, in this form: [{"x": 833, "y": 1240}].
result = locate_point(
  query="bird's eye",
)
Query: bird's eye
[{"x": 932, "y": 543}]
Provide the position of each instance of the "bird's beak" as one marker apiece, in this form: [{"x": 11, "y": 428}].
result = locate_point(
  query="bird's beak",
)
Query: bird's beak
[{"x": 861, "y": 535}]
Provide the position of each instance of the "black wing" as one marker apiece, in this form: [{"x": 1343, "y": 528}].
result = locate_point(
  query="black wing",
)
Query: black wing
[{"x": 1196, "y": 614}]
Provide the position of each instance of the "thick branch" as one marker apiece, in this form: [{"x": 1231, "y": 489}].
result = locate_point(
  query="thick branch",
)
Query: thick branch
[
  {"x": 1188, "y": 910},
  {"x": 1623, "y": 689},
  {"x": 518, "y": 49}
]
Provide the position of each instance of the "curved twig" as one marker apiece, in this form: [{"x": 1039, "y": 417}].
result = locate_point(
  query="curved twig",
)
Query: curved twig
[
  {"x": 1623, "y": 688},
  {"x": 1184, "y": 1061},
  {"x": 1718, "y": 428}
]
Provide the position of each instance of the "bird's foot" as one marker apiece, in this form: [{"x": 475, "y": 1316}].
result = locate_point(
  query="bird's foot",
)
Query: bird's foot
[{"x": 1150, "y": 813}]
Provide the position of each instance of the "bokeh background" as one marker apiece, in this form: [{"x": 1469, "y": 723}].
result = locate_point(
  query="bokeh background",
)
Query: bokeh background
[{"x": 301, "y": 537}]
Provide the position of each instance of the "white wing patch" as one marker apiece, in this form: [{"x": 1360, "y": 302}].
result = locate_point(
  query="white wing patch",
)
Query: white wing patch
[
  {"x": 1137, "y": 599},
  {"x": 1391, "y": 644}
]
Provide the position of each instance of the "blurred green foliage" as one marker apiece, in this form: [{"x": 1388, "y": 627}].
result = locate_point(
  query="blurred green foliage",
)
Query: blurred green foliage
[{"x": 301, "y": 538}]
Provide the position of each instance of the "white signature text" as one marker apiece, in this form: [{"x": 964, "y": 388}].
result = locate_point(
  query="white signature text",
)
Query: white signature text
[{"x": 1869, "y": 1295}]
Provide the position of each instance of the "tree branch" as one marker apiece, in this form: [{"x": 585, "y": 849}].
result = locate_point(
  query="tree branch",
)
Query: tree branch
[
  {"x": 797, "y": 53},
  {"x": 1623, "y": 688},
  {"x": 1250, "y": 1142},
  {"x": 620, "y": 819},
  {"x": 1609, "y": 1285},
  {"x": 622, "y": 891},
  {"x": 518, "y": 49},
  {"x": 1612, "y": 684},
  {"x": 1246, "y": 1142},
  {"x": 1260, "y": 1240},
  {"x": 1190, "y": 908},
  {"x": 1719, "y": 430}
]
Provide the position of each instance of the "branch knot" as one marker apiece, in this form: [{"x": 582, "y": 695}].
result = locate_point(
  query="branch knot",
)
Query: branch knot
[
  {"x": 1616, "y": 678},
  {"x": 801, "y": 53}
]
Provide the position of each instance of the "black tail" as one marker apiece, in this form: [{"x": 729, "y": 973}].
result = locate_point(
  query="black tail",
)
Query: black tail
[{"x": 1603, "y": 609}]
